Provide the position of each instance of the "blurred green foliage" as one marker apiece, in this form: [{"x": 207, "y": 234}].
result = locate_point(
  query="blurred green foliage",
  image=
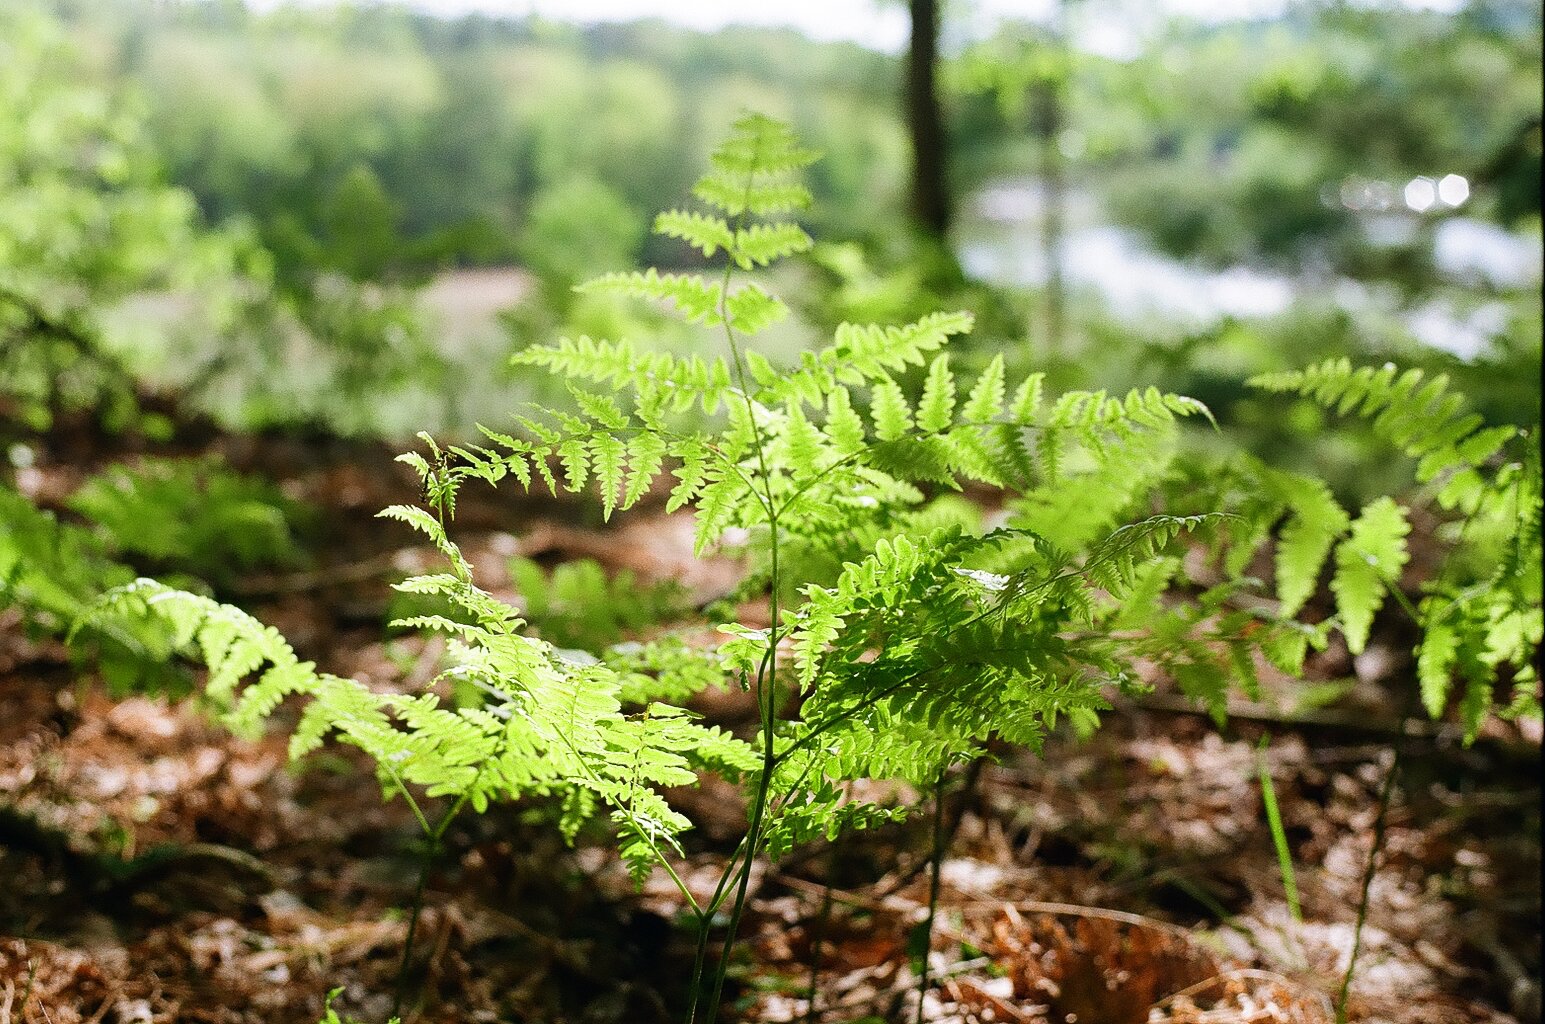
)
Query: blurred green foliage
[
  {"x": 191, "y": 515},
  {"x": 376, "y": 141},
  {"x": 578, "y": 605},
  {"x": 275, "y": 187},
  {"x": 1245, "y": 141},
  {"x": 85, "y": 221}
]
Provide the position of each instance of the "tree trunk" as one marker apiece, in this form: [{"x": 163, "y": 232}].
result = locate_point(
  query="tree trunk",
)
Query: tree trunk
[
  {"x": 930, "y": 198},
  {"x": 1048, "y": 127}
]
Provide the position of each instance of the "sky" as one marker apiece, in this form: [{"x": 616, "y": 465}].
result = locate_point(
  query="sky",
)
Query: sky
[{"x": 1113, "y": 28}]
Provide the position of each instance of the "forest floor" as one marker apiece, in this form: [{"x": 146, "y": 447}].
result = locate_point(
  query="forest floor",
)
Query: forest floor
[{"x": 154, "y": 868}]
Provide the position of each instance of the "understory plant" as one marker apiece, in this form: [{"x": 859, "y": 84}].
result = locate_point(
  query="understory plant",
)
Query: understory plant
[{"x": 896, "y": 628}]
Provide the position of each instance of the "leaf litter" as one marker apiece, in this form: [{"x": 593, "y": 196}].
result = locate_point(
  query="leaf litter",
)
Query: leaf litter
[{"x": 158, "y": 869}]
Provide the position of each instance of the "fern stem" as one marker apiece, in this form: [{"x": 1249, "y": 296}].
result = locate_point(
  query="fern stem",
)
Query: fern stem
[
  {"x": 936, "y": 861},
  {"x": 423, "y": 822},
  {"x": 699, "y": 959},
  {"x": 742, "y": 889},
  {"x": 704, "y": 923},
  {"x": 407, "y": 943},
  {"x": 767, "y": 672},
  {"x": 818, "y": 935},
  {"x": 1362, "y": 904},
  {"x": 1278, "y": 835},
  {"x": 632, "y": 819},
  {"x": 433, "y": 835}
]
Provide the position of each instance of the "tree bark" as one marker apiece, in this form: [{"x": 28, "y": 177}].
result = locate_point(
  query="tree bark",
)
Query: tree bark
[
  {"x": 930, "y": 197},
  {"x": 1048, "y": 127}
]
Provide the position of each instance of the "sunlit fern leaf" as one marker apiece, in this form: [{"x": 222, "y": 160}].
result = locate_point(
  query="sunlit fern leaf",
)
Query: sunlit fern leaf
[
  {"x": 684, "y": 381},
  {"x": 608, "y": 455},
  {"x": 1420, "y": 415},
  {"x": 1437, "y": 655},
  {"x": 1317, "y": 522},
  {"x": 752, "y": 310},
  {"x": 707, "y": 234},
  {"x": 761, "y": 244},
  {"x": 936, "y": 409},
  {"x": 890, "y": 410},
  {"x": 1368, "y": 563},
  {"x": 695, "y": 299},
  {"x": 985, "y": 402}
]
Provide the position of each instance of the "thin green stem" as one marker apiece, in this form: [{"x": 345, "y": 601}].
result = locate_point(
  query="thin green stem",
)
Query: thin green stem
[
  {"x": 1278, "y": 834},
  {"x": 400, "y": 988},
  {"x": 699, "y": 958},
  {"x": 818, "y": 936},
  {"x": 1362, "y": 904},
  {"x": 632, "y": 820},
  {"x": 767, "y": 672},
  {"x": 26, "y": 993},
  {"x": 433, "y": 835},
  {"x": 936, "y": 861},
  {"x": 742, "y": 889},
  {"x": 423, "y": 822}
]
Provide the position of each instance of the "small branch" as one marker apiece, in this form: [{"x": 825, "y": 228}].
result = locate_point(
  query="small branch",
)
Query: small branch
[
  {"x": 818, "y": 935},
  {"x": 1362, "y": 904},
  {"x": 940, "y": 842},
  {"x": 1326, "y": 718}
]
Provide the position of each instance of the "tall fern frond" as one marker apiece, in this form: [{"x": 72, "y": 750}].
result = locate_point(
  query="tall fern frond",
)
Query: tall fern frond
[{"x": 1418, "y": 414}]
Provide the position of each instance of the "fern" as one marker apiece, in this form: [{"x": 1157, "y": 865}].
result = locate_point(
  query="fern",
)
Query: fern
[
  {"x": 1368, "y": 563},
  {"x": 330, "y": 1015},
  {"x": 1425, "y": 420},
  {"x": 578, "y": 606},
  {"x": 1481, "y": 620},
  {"x": 52, "y": 573},
  {"x": 193, "y": 515},
  {"x": 901, "y": 635},
  {"x": 1317, "y": 521}
]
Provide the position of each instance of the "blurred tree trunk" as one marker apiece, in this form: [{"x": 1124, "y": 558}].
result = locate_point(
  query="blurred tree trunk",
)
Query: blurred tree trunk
[
  {"x": 1048, "y": 118},
  {"x": 930, "y": 196}
]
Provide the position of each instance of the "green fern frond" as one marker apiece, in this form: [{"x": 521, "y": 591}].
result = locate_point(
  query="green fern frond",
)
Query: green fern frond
[
  {"x": 1368, "y": 563},
  {"x": 1317, "y": 522},
  {"x": 761, "y": 244},
  {"x": 891, "y": 412},
  {"x": 1421, "y": 416},
  {"x": 936, "y": 409},
  {"x": 734, "y": 196},
  {"x": 703, "y": 232},
  {"x": 696, "y": 299},
  {"x": 684, "y": 382},
  {"x": 752, "y": 310},
  {"x": 985, "y": 403}
]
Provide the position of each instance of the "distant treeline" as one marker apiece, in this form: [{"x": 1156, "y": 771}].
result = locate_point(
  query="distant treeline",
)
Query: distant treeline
[
  {"x": 379, "y": 141},
  {"x": 382, "y": 143}
]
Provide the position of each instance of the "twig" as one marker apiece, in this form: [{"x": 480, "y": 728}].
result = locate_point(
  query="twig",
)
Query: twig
[
  {"x": 1243, "y": 972},
  {"x": 1007, "y": 1010},
  {"x": 1328, "y": 718},
  {"x": 1073, "y": 910},
  {"x": 108, "y": 1002},
  {"x": 818, "y": 935},
  {"x": 940, "y": 842},
  {"x": 1362, "y": 903}
]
